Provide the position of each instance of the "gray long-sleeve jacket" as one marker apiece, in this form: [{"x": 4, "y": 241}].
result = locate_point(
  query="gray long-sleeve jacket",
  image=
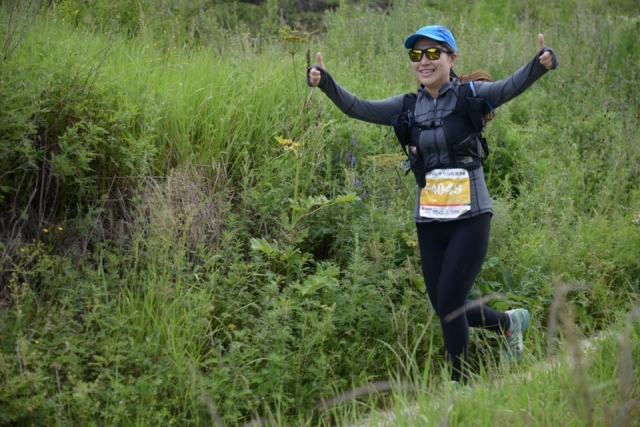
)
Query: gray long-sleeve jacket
[{"x": 433, "y": 142}]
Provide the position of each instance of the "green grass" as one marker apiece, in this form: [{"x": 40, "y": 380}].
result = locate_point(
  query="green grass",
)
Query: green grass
[
  {"x": 151, "y": 273},
  {"x": 580, "y": 385}
]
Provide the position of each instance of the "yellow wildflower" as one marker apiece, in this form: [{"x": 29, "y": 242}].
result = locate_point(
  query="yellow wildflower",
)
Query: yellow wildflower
[
  {"x": 282, "y": 141},
  {"x": 288, "y": 144}
]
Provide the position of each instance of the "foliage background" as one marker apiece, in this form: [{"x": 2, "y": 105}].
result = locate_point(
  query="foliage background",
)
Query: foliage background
[{"x": 190, "y": 233}]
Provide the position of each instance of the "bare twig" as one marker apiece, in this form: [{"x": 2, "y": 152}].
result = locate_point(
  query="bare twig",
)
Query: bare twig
[
  {"x": 14, "y": 17},
  {"x": 55, "y": 368},
  {"x": 471, "y": 304},
  {"x": 349, "y": 395},
  {"x": 19, "y": 361}
]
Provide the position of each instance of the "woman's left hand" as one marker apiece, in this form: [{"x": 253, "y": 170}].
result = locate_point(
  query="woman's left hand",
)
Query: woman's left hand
[{"x": 546, "y": 59}]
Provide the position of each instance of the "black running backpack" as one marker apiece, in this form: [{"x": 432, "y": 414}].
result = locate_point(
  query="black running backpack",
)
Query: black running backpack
[{"x": 404, "y": 127}]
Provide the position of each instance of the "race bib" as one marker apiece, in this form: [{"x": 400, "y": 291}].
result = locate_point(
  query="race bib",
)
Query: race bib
[{"x": 446, "y": 195}]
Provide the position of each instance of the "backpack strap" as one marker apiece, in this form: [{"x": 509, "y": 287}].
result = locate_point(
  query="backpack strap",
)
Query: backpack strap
[
  {"x": 403, "y": 122},
  {"x": 403, "y": 126},
  {"x": 477, "y": 109}
]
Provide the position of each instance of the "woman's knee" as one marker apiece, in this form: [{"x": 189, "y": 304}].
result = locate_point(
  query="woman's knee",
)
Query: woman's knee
[{"x": 450, "y": 312}]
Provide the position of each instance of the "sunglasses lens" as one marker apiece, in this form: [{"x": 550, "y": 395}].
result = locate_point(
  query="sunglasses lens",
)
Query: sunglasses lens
[
  {"x": 432, "y": 53},
  {"x": 415, "y": 55}
]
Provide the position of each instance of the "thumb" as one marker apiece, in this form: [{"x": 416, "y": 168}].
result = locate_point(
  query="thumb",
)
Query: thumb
[
  {"x": 540, "y": 42},
  {"x": 319, "y": 60}
]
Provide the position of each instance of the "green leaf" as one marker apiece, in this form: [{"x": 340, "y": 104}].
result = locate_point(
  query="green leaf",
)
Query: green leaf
[
  {"x": 351, "y": 197},
  {"x": 302, "y": 234},
  {"x": 508, "y": 279},
  {"x": 284, "y": 220},
  {"x": 312, "y": 201},
  {"x": 264, "y": 246},
  {"x": 316, "y": 282},
  {"x": 325, "y": 275}
]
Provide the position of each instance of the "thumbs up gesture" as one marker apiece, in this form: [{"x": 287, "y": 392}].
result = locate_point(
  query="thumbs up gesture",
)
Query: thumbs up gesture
[
  {"x": 314, "y": 74},
  {"x": 546, "y": 59}
]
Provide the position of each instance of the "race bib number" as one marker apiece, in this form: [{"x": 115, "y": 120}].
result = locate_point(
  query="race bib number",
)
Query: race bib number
[{"x": 446, "y": 195}]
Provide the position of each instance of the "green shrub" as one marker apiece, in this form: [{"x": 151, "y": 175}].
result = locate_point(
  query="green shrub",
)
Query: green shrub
[
  {"x": 192, "y": 234},
  {"x": 68, "y": 141}
]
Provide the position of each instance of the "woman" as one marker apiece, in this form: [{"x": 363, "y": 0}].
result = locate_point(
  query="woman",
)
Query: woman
[{"x": 452, "y": 225}]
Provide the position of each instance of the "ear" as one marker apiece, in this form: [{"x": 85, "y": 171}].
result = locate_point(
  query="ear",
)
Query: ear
[{"x": 452, "y": 58}]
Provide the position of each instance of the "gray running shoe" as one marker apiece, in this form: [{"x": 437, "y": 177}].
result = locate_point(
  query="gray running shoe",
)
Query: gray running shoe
[
  {"x": 462, "y": 389},
  {"x": 519, "y": 323}
]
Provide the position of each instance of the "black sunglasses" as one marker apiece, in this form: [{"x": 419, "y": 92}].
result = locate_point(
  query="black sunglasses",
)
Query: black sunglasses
[{"x": 433, "y": 53}]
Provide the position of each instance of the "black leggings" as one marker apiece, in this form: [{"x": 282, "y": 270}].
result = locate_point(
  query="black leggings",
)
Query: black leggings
[{"x": 452, "y": 254}]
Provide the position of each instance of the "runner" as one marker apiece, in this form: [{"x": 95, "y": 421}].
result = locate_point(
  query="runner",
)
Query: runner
[{"x": 453, "y": 209}]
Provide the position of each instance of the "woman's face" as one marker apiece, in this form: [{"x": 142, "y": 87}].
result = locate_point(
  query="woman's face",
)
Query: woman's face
[{"x": 432, "y": 74}]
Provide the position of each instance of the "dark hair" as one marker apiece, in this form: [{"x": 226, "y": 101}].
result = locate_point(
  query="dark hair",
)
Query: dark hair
[{"x": 476, "y": 76}]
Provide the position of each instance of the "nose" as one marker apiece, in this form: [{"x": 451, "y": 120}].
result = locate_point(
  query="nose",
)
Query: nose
[{"x": 424, "y": 59}]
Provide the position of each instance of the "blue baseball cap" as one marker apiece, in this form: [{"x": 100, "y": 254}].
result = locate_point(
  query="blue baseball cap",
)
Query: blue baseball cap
[{"x": 433, "y": 32}]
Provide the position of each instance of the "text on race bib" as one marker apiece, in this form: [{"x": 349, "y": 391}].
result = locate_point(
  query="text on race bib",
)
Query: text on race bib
[{"x": 447, "y": 194}]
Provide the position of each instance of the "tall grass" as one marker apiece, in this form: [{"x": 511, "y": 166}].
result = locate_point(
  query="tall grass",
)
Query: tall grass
[
  {"x": 584, "y": 383},
  {"x": 196, "y": 301}
]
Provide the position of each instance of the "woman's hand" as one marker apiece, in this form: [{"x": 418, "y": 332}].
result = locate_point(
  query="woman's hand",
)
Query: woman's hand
[
  {"x": 314, "y": 74},
  {"x": 546, "y": 59}
]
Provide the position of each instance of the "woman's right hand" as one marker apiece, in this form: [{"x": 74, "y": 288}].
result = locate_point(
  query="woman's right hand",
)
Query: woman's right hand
[{"x": 314, "y": 74}]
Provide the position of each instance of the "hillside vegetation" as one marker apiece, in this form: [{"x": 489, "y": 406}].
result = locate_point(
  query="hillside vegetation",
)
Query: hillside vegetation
[{"x": 189, "y": 235}]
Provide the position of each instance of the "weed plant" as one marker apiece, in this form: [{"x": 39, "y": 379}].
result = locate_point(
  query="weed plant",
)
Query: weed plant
[{"x": 191, "y": 235}]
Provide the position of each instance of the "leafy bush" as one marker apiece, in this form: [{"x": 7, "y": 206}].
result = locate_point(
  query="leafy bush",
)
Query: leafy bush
[
  {"x": 68, "y": 141},
  {"x": 191, "y": 234}
]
